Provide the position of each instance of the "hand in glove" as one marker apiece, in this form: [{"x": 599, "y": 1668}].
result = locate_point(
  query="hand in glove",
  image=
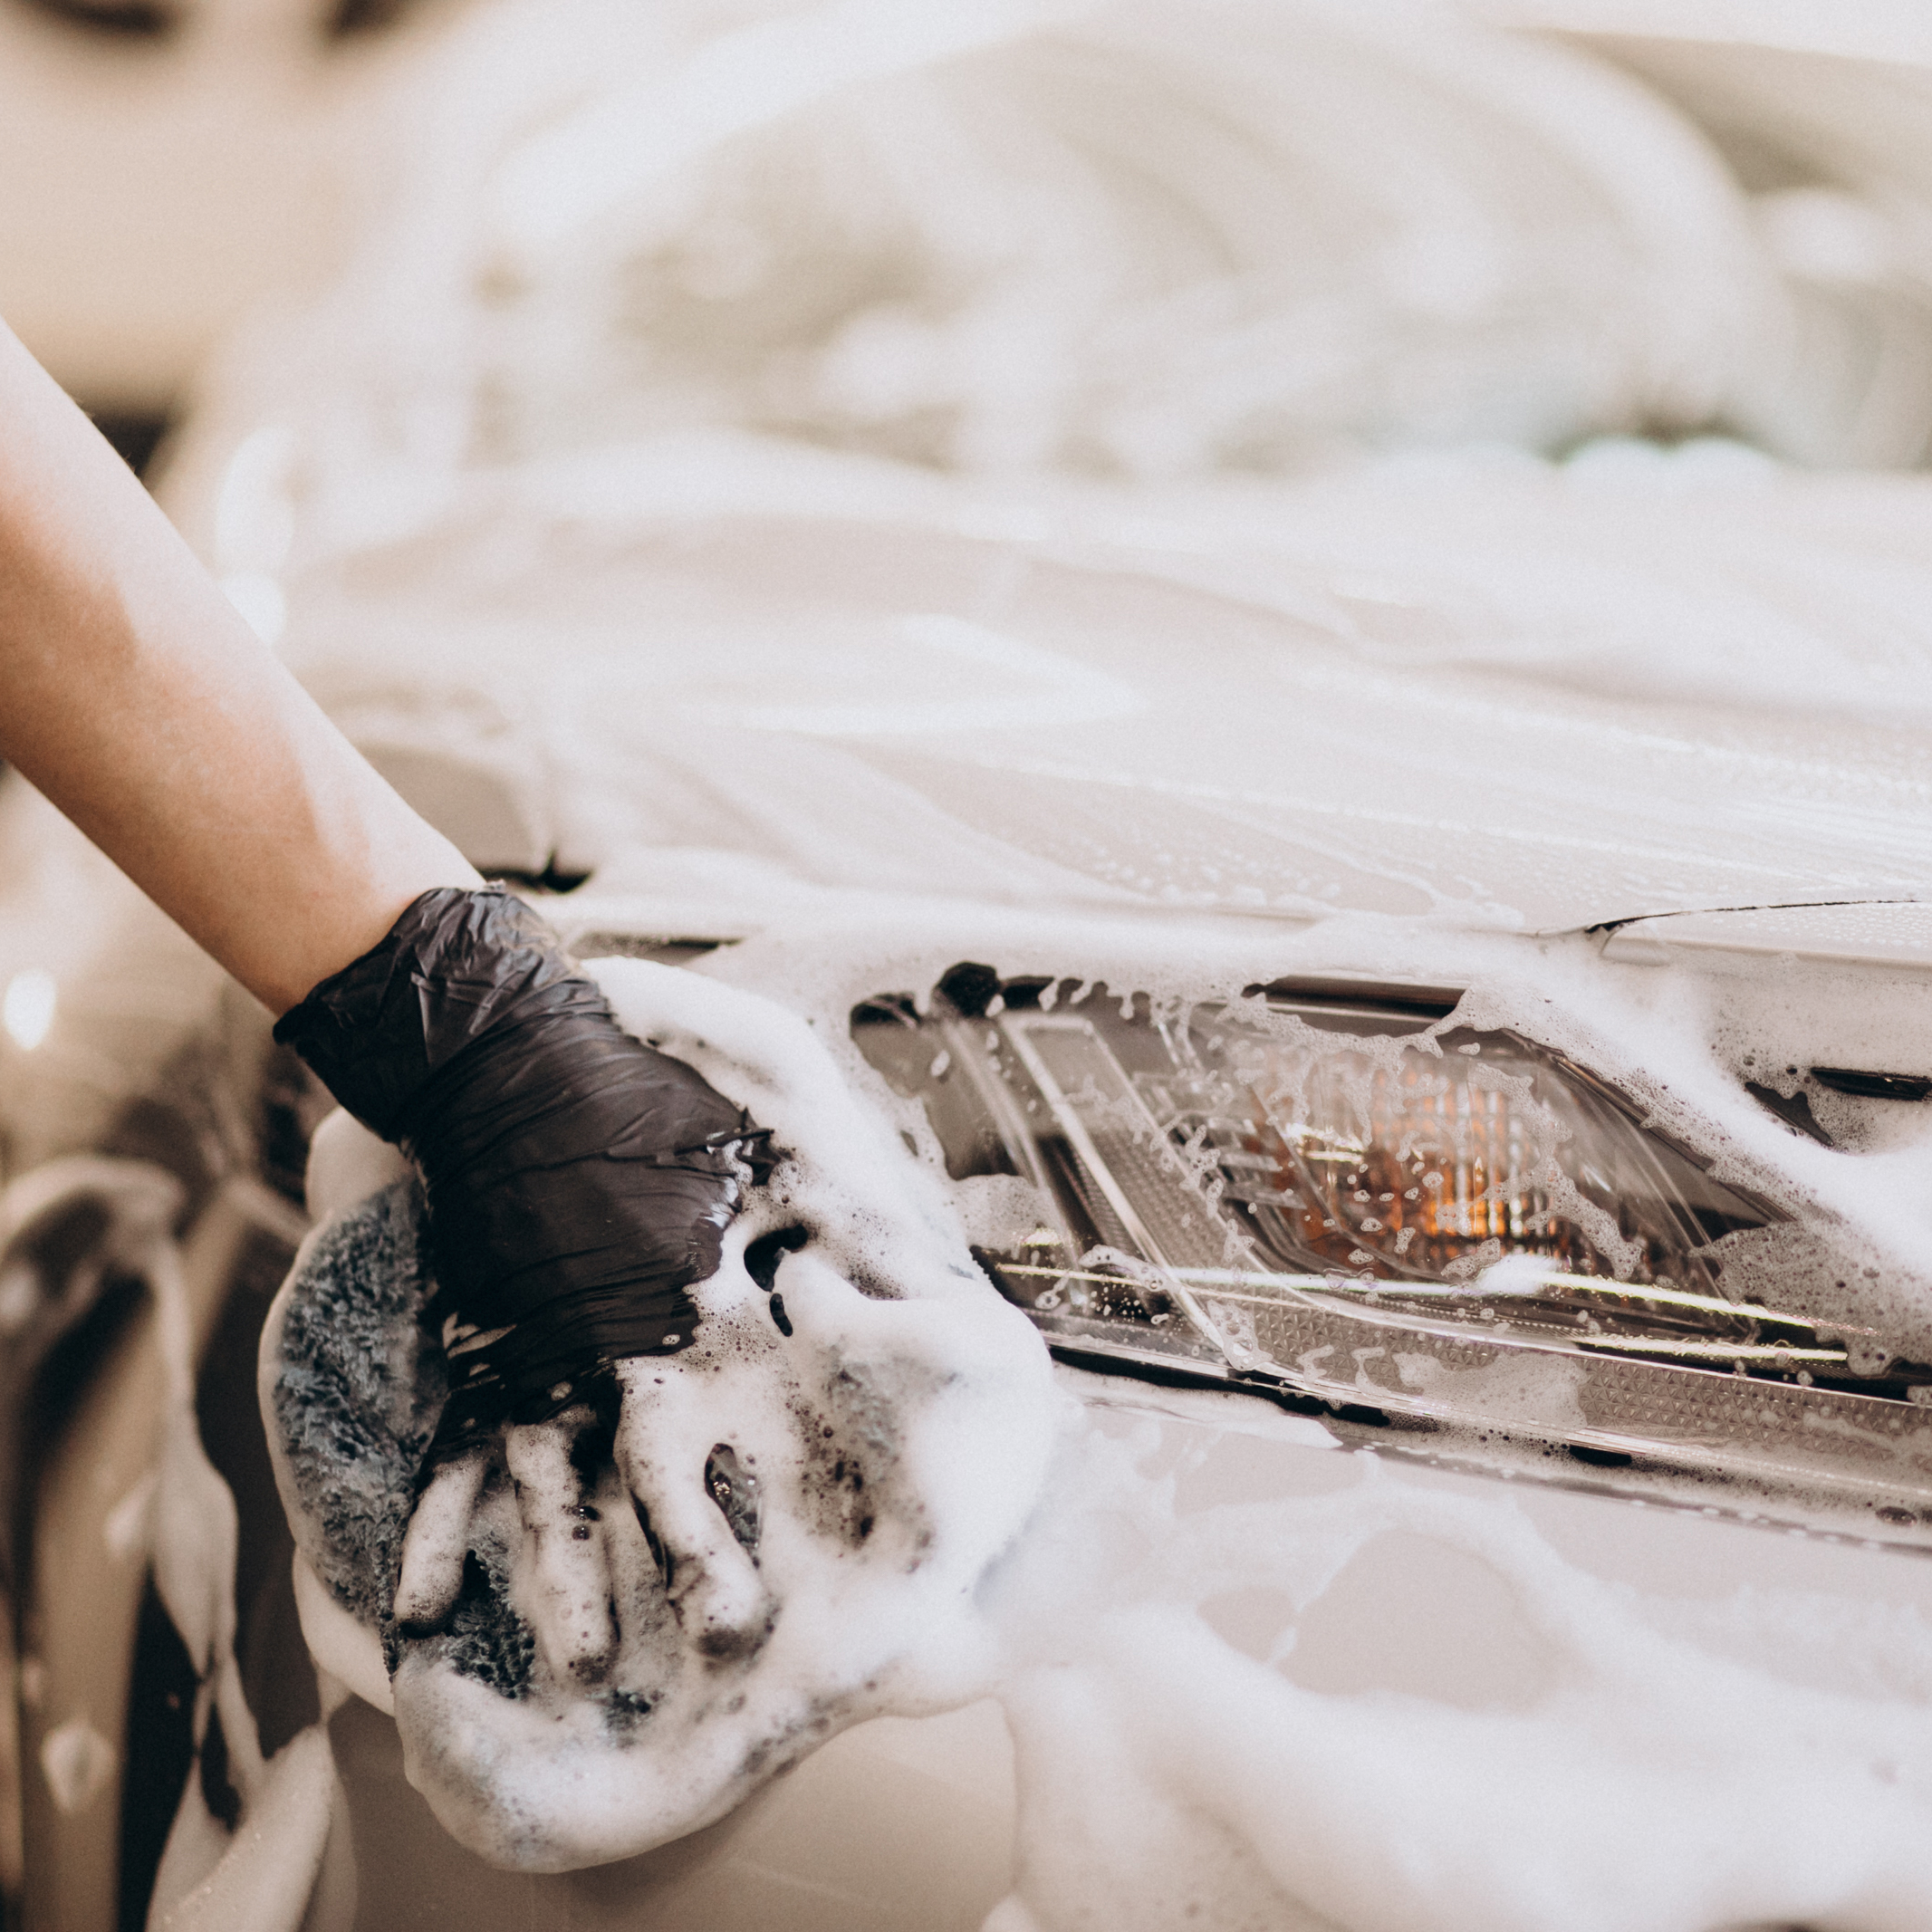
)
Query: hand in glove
[{"x": 578, "y": 1181}]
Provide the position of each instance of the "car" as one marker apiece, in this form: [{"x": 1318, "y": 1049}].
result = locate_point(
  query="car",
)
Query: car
[{"x": 1410, "y": 976}]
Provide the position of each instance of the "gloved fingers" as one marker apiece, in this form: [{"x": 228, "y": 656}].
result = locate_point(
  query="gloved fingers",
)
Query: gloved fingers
[
  {"x": 565, "y": 1586},
  {"x": 434, "y": 1546},
  {"x": 636, "y": 1576},
  {"x": 664, "y": 1442}
]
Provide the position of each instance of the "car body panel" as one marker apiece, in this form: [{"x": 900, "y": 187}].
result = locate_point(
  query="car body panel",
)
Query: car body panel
[{"x": 1185, "y": 707}]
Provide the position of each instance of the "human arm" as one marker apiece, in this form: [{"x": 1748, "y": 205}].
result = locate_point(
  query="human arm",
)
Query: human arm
[
  {"x": 133, "y": 695},
  {"x": 578, "y": 1181}
]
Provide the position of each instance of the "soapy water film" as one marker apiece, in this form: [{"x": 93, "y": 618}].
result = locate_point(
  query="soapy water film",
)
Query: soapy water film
[{"x": 912, "y": 199}]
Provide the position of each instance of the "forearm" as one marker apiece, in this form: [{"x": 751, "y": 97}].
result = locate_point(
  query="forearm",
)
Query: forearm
[{"x": 135, "y": 697}]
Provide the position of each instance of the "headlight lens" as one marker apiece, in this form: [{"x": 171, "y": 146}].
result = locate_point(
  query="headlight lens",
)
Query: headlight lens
[{"x": 1342, "y": 1198}]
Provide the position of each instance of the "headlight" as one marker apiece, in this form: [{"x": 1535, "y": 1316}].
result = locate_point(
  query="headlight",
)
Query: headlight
[{"x": 1337, "y": 1197}]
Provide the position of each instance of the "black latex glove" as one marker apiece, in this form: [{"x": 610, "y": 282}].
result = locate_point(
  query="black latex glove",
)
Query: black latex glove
[{"x": 578, "y": 1181}]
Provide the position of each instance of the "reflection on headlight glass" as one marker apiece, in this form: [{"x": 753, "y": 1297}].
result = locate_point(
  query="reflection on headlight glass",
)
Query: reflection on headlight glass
[{"x": 1341, "y": 1197}]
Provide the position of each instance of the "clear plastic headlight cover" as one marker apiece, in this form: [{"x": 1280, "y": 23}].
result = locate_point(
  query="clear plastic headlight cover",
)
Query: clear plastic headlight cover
[{"x": 1328, "y": 1195}]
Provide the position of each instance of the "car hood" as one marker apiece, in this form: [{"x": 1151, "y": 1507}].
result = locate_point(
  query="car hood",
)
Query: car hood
[{"x": 1485, "y": 692}]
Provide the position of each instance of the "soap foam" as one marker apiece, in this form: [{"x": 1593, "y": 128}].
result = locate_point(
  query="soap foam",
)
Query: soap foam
[{"x": 1647, "y": 1784}]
